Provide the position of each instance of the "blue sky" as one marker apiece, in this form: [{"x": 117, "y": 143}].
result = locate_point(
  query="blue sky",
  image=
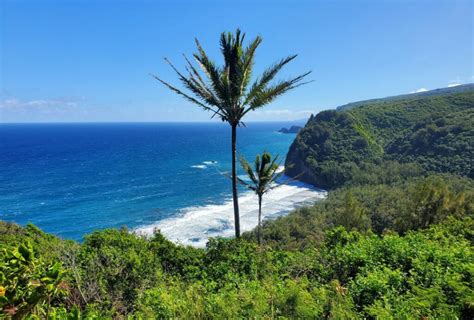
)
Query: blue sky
[{"x": 90, "y": 60}]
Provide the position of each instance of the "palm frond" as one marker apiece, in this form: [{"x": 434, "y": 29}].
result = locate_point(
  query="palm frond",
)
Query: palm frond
[
  {"x": 267, "y": 76},
  {"x": 225, "y": 90},
  {"x": 212, "y": 72},
  {"x": 188, "y": 97},
  {"x": 248, "y": 169},
  {"x": 195, "y": 76},
  {"x": 267, "y": 95},
  {"x": 247, "y": 62},
  {"x": 239, "y": 180},
  {"x": 264, "y": 174},
  {"x": 195, "y": 86}
]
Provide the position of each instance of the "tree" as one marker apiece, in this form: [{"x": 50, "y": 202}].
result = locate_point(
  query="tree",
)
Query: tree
[
  {"x": 225, "y": 90},
  {"x": 263, "y": 179}
]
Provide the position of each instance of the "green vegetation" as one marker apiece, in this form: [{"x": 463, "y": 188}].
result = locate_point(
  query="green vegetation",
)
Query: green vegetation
[
  {"x": 262, "y": 180},
  {"x": 399, "y": 207},
  {"x": 310, "y": 268},
  {"x": 430, "y": 93},
  {"x": 421, "y": 134},
  {"x": 394, "y": 240},
  {"x": 226, "y": 91}
]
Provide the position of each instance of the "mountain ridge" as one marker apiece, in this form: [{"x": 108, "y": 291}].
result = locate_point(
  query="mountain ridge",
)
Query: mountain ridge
[
  {"x": 433, "y": 92},
  {"x": 433, "y": 131}
]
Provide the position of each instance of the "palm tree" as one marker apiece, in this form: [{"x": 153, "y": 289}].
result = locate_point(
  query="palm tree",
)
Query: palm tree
[
  {"x": 225, "y": 90},
  {"x": 262, "y": 180}
]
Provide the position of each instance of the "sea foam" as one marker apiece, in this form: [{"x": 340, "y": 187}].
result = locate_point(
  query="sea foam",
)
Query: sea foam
[{"x": 195, "y": 225}]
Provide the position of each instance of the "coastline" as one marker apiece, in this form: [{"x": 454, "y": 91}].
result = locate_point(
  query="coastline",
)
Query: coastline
[
  {"x": 71, "y": 180},
  {"x": 195, "y": 225}
]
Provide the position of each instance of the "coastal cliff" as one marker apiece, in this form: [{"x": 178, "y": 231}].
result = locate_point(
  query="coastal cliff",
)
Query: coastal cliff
[{"x": 412, "y": 132}]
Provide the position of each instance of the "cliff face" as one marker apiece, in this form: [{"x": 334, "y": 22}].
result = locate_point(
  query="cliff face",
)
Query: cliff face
[
  {"x": 295, "y": 165},
  {"x": 327, "y": 140},
  {"x": 433, "y": 132}
]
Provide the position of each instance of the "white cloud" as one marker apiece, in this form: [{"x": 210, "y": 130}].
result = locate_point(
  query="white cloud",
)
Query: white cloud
[
  {"x": 456, "y": 82},
  {"x": 419, "y": 90},
  {"x": 16, "y": 104}
]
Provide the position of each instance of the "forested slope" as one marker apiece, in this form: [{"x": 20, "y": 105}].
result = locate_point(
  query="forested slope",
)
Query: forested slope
[
  {"x": 430, "y": 93},
  {"x": 427, "y": 133}
]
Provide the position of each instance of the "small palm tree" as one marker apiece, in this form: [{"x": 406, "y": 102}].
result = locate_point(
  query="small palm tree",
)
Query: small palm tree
[
  {"x": 226, "y": 92},
  {"x": 262, "y": 179}
]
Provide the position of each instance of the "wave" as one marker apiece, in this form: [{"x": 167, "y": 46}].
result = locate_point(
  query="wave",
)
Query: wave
[
  {"x": 205, "y": 164},
  {"x": 195, "y": 225},
  {"x": 144, "y": 197}
]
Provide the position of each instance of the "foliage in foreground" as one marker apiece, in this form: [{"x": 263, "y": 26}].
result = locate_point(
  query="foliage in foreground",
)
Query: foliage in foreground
[{"x": 348, "y": 273}]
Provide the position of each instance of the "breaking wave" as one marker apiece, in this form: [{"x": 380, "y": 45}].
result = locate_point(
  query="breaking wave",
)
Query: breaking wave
[{"x": 195, "y": 225}]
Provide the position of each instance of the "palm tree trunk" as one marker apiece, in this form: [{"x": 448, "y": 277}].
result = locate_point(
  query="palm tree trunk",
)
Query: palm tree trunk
[
  {"x": 259, "y": 234},
  {"x": 234, "y": 182}
]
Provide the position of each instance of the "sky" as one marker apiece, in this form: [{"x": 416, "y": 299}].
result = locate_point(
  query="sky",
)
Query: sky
[{"x": 90, "y": 61}]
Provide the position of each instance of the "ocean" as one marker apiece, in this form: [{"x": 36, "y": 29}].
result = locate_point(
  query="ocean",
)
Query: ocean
[{"x": 71, "y": 179}]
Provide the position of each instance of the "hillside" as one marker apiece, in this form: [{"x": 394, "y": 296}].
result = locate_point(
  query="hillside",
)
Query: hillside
[
  {"x": 427, "y": 132},
  {"x": 429, "y": 93}
]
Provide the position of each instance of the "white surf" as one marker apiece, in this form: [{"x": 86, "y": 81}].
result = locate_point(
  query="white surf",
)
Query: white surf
[{"x": 195, "y": 225}]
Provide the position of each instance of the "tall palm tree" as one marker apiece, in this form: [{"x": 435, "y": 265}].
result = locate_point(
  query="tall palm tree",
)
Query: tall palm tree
[
  {"x": 226, "y": 91},
  {"x": 262, "y": 179}
]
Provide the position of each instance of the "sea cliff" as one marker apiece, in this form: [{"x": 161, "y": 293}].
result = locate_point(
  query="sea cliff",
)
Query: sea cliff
[{"x": 425, "y": 131}]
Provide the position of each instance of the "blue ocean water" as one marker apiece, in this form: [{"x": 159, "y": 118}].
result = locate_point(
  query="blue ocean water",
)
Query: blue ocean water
[{"x": 70, "y": 179}]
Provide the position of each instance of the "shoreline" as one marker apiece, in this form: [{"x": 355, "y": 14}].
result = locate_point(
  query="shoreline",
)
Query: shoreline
[{"x": 195, "y": 225}]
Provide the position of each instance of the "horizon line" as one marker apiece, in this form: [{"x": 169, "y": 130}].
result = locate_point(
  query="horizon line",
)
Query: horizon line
[{"x": 146, "y": 122}]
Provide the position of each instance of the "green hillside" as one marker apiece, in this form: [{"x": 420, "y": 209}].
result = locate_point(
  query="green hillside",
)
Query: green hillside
[
  {"x": 422, "y": 133},
  {"x": 430, "y": 93}
]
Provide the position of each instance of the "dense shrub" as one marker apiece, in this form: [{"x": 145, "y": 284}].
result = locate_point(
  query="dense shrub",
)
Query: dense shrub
[
  {"x": 410, "y": 205},
  {"x": 422, "y": 274}
]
